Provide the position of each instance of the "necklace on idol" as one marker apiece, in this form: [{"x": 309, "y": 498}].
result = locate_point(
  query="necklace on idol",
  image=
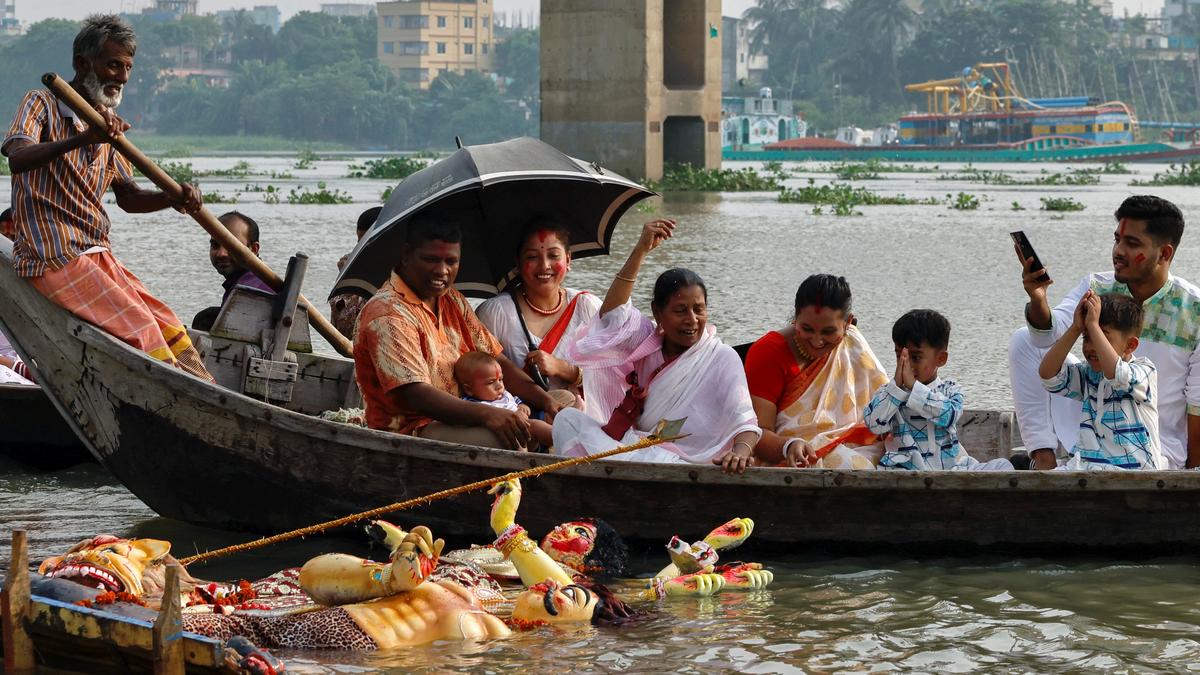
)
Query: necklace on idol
[
  {"x": 562, "y": 296},
  {"x": 800, "y": 348}
]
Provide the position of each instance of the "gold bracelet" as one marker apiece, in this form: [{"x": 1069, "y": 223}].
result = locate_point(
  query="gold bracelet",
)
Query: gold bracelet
[
  {"x": 630, "y": 280},
  {"x": 750, "y": 447},
  {"x": 519, "y": 541}
]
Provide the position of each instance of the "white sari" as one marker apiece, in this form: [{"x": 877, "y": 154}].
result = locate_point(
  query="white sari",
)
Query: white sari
[
  {"x": 499, "y": 315},
  {"x": 706, "y": 384}
]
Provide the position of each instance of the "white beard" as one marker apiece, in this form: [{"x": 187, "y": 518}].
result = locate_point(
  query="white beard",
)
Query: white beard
[{"x": 95, "y": 89}]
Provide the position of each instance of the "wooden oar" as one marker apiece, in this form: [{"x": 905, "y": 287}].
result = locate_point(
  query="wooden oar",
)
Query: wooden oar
[
  {"x": 665, "y": 432},
  {"x": 65, "y": 93}
]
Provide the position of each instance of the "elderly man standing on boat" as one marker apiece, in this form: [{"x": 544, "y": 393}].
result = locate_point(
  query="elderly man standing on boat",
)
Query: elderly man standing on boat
[
  {"x": 412, "y": 332},
  {"x": 61, "y": 170},
  {"x": 1145, "y": 242}
]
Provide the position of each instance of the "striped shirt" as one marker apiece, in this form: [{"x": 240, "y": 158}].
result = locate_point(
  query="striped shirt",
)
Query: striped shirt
[
  {"x": 1170, "y": 339},
  {"x": 1118, "y": 426},
  {"x": 58, "y": 208},
  {"x": 919, "y": 426}
]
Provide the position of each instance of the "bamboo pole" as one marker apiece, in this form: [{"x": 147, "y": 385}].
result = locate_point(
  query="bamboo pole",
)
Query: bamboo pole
[
  {"x": 427, "y": 499},
  {"x": 65, "y": 93}
]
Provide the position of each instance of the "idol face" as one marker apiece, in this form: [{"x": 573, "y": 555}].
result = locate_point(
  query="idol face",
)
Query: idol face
[
  {"x": 571, "y": 543},
  {"x": 551, "y": 603}
]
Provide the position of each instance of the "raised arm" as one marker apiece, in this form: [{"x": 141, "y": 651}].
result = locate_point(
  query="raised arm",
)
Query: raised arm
[
  {"x": 531, "y": 561},
  {"x": 654, "y": 233},
  {"x": 1052, "y": 362}
]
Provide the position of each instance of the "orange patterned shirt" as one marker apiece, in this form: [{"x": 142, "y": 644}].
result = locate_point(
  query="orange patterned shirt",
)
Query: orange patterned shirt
[
  {"x": 58, "y": 209},
  {"x": 399, "y": 342}
]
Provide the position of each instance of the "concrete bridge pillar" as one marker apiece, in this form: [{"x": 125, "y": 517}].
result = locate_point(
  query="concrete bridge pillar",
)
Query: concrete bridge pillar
[{"x": 633, "y": 83}]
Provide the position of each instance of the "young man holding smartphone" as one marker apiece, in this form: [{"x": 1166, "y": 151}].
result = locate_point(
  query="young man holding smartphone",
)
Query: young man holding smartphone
[{"x": 1144, "y": 244}]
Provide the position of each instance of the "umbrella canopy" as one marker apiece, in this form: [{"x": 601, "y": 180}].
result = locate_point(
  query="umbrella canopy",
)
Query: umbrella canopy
[{"x": 493, "y": 191}]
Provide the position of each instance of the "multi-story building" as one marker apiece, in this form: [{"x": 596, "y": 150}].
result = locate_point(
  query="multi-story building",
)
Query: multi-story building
[
  {"x": 421, "y": 39},
  {"x": 740, "y": 67},
  {"x": 9, "y": 25}
]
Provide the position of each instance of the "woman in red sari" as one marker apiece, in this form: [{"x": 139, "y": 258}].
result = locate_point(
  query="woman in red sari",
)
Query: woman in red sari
[{"x": 810, "y": 381}]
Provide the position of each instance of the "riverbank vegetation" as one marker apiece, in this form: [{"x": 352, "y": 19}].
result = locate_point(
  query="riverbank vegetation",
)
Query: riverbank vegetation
[
  {"x": 988, "y": 177},
  {"x": 835, "y": 194},
  {"x": 1182, "y": 174},
  {"x": 1061, "y": 204},
  {"x": 687, "y": 178},
  {"x": 395, "y": 168}
]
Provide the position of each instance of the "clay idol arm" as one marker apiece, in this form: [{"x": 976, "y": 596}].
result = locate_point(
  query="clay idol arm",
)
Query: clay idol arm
[{"x": 531, "y": 562}]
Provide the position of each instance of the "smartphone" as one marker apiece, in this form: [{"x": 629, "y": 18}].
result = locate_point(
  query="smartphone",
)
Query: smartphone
[{"x": 1027, "y": 251}]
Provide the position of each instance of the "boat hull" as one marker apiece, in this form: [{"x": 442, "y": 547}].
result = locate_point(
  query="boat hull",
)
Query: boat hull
[
  {"x": 194, "y": 451},
  {"x": 34, "y": 431}
]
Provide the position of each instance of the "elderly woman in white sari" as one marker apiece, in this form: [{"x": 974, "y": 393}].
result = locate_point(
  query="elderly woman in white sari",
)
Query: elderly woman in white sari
[
  {"x": 536, "y": 320},
  {"x": 670, "y": 368}
]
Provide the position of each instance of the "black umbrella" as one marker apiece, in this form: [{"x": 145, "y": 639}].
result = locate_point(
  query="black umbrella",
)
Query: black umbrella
[{"x": 493, "y": 191}]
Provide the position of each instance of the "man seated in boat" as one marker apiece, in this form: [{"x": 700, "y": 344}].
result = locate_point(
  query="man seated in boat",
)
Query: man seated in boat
[
  {"x": 61, "y": 170},
  {"x": 235, "y": 273},
  {"x": 917, "y": 412},
  {"x": 1145, "y": 242},
  {"x": 412, "y": 332}
]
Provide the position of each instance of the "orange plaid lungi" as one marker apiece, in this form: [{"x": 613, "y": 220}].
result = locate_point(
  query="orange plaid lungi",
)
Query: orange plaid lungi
[{"x": 97, "y": 288}]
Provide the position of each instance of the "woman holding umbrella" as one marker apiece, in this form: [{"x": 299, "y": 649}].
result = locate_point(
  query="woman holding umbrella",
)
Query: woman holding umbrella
[
  {"x": 536, "y": 319},
  {"x": 674, "y": 367}
]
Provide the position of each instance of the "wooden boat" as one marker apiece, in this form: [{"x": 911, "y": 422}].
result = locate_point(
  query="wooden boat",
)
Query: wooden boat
[
  {"x": 46, "y": 630},
  {"x": 35, "y": 433},
  {"x": 213, "y": 456}
]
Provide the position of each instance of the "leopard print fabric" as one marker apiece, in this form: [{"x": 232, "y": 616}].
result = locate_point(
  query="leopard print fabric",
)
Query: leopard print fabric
[{"x": 329, "y": 628}]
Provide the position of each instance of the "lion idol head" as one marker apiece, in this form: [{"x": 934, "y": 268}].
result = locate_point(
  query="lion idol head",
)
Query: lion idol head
[{"x": 109, "y": 563}]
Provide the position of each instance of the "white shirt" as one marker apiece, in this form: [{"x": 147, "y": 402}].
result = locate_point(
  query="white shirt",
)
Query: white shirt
[{"x": 1170, "y": 339}]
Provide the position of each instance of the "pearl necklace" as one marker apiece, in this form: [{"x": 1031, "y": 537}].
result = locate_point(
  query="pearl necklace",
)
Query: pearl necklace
[{"x": 562, "y": 297}]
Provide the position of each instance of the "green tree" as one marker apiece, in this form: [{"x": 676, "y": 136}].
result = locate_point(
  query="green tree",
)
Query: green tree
[{"x": 518, "y": 59}]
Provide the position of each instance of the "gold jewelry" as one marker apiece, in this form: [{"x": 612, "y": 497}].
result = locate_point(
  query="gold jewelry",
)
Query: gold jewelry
[
  {"x": 629, "y": 279},
  {"x": 800, "y": 347},
  {"x": 578, "y": 378},
  {"x": 520, "y": 541},
  {"x": 562, "y": 297},
  {"x": 748, "y": 446}
]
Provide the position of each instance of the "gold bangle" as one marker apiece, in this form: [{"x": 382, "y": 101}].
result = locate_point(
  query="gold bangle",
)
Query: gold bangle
[
  {"x": 748, "y": 446},
  {"x": 519, "y": 541},
  {"x": 630, "y": 280}
]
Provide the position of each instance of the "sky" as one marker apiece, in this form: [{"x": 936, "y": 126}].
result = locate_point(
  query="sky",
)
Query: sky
[{"x": 35, "y": 10}]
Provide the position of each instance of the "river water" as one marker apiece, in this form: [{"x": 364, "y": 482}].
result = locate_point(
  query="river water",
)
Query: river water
[{"x": 825, "y": 612}]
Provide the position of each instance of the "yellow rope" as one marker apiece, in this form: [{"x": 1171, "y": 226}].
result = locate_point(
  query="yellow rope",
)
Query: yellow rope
[{"x": 420, "y": 501}]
